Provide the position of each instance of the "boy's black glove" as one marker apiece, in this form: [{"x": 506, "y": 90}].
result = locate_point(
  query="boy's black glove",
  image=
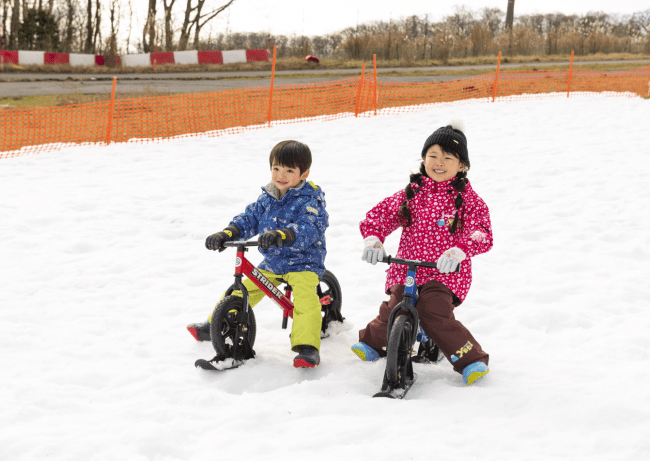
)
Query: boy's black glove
[
  {"x": 278, "y": 238},
  {"x": 216, "y": 241}
]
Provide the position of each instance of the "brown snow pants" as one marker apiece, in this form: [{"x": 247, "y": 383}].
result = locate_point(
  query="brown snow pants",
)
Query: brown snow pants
[{"x": 435, "y": 307}]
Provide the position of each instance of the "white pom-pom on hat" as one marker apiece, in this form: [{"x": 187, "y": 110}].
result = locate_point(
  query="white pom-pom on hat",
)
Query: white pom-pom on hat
[{"x": 457, "y": 124}]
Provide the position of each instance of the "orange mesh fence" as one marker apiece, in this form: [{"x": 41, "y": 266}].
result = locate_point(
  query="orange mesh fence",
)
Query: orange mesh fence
[{"x": 216, "y": 113}]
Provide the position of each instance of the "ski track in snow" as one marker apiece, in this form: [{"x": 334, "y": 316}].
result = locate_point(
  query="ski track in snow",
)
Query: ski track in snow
[{"x": 103, "y": 265}]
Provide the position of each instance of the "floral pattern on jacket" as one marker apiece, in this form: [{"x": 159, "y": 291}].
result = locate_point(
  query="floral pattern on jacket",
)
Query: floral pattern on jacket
[
  {"x": 432, "y": 212},
  {"x": 301, "y": 209}
]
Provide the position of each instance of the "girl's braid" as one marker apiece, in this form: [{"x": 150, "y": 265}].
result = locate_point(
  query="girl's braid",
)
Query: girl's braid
[
  {"x": 459, "y": 184},
  {"x": 416, "y": 178}
]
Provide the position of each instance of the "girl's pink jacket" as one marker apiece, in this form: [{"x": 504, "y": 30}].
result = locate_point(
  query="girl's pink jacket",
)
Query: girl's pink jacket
[{"x": 428, "y": 236}]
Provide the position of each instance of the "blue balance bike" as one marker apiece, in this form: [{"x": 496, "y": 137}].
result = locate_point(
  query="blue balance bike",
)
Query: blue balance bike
[{"x": 403, "y": 331}]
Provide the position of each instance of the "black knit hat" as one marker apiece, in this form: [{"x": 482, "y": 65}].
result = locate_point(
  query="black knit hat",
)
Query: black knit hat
[{"x": 450, "y": 139}]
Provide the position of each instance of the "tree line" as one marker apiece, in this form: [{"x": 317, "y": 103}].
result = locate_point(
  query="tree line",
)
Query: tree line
[
  {"x": 93, "y": 26},
  {"x": 467, "y": 33}
]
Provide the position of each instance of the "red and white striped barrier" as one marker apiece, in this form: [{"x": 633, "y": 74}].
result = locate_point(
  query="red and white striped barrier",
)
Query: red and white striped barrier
[
  {"x": 25, "y": 58},
  {"x": 40, "y": 58},
  {"x": 195, "y": 57}
]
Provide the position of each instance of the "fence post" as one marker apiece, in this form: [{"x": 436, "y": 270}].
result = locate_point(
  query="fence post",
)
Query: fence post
[
  {"x": 110, "y": 113},
  {"x": 363, "y": 71},
  {"x": 568, "y": 90},
  {"x": 2, "y": 54},
  {"x": 496, "y": 79},
  {"x": 375, "y": 96},
  {"x": 275, "y": 47}
]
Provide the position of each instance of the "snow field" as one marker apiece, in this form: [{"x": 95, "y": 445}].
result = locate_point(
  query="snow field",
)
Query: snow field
[{"x": 103, "y": 265}]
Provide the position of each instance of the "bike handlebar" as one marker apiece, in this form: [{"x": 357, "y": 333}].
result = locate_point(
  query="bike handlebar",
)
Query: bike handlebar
[
  {"x": 390, "y": 260},
  {"x": 407, "y": 262},
  {"x": 387, "y": 259},
  {"x": 236, "y": 243}
]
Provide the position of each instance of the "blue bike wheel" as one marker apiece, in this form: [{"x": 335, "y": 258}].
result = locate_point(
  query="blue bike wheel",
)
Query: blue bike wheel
[{"x": 399, "y": 369}]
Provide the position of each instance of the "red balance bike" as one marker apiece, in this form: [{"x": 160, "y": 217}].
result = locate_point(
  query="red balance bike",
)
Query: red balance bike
[{"x": 233, "y": 327}]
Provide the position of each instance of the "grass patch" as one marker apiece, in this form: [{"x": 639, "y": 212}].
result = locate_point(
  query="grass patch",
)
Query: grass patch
[
  {"x": 54, "y": 100},
  {"x": 469, "y": 72}
]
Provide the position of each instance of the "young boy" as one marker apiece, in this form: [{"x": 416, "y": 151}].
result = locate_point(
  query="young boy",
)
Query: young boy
[{"x": 292, "y": 210}]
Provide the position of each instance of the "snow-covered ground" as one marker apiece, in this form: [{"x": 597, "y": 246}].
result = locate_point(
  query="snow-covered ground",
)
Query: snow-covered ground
[{"x": 102, "y": 265}]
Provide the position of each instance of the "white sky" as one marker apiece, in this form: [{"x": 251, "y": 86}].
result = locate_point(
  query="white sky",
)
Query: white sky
[{"x": 301, "y": 17}]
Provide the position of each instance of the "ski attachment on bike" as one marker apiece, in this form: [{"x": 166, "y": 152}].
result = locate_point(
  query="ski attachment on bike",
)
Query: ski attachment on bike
[
  {"x": 428, "y": 352},
  {"x": 396, "y": 392},
  {"x": 219, "y": 364}
]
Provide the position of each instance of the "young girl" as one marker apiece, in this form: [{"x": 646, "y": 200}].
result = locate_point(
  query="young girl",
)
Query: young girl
[{"x": 442, "y": 220}]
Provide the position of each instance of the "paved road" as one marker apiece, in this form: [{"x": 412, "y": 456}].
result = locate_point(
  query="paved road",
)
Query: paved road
[{"x": 26, "y": 84}]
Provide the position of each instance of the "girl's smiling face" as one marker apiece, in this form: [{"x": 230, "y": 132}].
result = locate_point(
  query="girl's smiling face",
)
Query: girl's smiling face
[
  {"x": 441, "y": 166},
  {"x": 285, "y": 178}
]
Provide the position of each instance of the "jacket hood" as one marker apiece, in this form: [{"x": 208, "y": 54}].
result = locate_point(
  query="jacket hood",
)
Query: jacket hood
[
  {"x": 302, "y": 188},
  {"x": 442, "y": 185}
]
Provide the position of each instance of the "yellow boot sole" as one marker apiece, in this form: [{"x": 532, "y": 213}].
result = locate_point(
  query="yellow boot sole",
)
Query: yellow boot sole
[{"x": 476, "y": 375}]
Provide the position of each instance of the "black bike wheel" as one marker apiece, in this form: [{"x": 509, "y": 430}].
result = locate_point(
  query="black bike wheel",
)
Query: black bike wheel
[
  {"x": 329, "y": 286},
  {"x": 398, "y": 352},
  {"x": 223, "y": 329}
]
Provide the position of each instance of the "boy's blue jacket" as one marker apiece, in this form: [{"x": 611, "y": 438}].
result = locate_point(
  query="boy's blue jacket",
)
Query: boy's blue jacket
[{"x": 302, "y": 209}]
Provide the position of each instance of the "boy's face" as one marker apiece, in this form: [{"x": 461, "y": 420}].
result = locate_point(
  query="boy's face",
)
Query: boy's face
[
  {"x": 285, "y": 178},
  {"x": 441, "y": 166}
]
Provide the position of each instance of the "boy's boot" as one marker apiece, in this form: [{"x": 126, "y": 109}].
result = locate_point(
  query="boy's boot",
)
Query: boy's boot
[
  {"x": 200, "y": 331},
  {"x": 474, "y": 371},
  {"x": 307, "y": 357},
  {"x": 365, "y": 352}
]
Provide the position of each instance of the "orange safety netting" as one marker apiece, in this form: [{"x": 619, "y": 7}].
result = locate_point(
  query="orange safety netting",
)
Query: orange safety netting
[{"x": 216, "y": 113}]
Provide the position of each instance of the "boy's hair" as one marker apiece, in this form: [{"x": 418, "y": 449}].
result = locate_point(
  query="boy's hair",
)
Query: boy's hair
[{"x": 292, "y": 154}]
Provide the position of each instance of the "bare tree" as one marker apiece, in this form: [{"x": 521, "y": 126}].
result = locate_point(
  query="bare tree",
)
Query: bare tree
[
  {"x": 128, "y": 37},
  {"x": 510, "y": 18},
  {"x": 197, "y": 21},
  {"x": 510, "y": 15},
  {"x": 68, "y": 35},
  {"x": 169, "y": 31},
  {"x": 150, "y": 28},
  {"x": 491, "y": 18},
  {"x": 97, "y": 36},
  {"x": 642, "y": 21},
  {"x": 5, "y": 15},
  {"x": 15, "y": 24},
  {"x": 88, "y": 48},
  {"x": 114, "y": 11},
  {"x": 461, "y": 22},
  {"x": 207, "y": 17}
]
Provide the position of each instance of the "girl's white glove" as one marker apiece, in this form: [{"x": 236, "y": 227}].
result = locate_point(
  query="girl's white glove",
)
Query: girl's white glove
[
  {"x": 450, "y": 260},
  {"x": 373, "y": 250}
]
